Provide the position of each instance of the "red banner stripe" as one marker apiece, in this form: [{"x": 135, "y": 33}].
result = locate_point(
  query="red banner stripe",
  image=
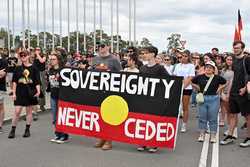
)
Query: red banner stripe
[{"x": 138, "y": 128}]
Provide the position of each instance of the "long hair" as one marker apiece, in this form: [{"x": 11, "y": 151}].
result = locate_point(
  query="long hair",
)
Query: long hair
[
  {"x": 59, "y": 58},
  {"x": 226, "y": 66}
]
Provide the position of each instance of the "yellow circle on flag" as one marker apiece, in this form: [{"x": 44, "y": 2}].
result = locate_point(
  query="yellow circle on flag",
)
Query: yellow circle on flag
[{"x": 114, "y": 110}]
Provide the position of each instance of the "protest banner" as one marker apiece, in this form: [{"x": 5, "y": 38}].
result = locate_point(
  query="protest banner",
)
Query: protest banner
[{"x": 125, "y": 107}]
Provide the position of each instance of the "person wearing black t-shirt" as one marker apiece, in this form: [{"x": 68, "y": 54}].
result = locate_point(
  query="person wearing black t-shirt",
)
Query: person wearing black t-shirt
[
  {"x": 54, "y": 76},
  {"x": 209, "y": 109},
  {"x": 12, "y": 63},
  {"x": 238, "y": 99},
  {"x": 3, "y": 65},
  {"x": 26, "y": 90},
  {"x": 40, "y": 64},
  {"x": 155, "y": 70}
]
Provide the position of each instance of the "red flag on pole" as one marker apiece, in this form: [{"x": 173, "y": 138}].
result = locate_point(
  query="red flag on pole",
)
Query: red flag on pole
[{"x": 236, "y": 35}]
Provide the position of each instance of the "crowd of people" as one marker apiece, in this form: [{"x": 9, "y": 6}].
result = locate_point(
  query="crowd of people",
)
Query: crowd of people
[{"x": 217, "y": 85}]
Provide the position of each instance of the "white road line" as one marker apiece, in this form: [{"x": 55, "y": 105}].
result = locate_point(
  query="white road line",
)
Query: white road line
[
  {"x": 215, "y": 153},
  {"x": 204, "y": 152}
]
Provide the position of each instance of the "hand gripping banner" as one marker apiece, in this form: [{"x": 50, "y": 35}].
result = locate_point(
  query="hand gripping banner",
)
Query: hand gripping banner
[{"x": 124, "y": 107}]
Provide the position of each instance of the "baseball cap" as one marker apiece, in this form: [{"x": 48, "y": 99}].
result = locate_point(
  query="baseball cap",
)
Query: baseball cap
[{"x": 211, "y": 63}]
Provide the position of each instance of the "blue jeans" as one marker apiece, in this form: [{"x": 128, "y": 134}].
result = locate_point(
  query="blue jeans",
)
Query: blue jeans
[
  {"x": 53, "y": 104},
  {"x": 193, "y": 97},
  {"x": 208, "y": 113}
]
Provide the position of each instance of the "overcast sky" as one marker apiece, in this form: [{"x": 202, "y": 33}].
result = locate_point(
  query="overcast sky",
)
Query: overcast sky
[{"x": 203, "y": 23}]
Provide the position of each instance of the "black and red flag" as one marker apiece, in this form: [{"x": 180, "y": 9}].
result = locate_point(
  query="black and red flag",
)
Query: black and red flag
[
  {"x": 238, "y": 28},
  {"x": 236, "y": 34},
  {"x": 126, "y": 107},
  {"x": 240, "y": 25}
]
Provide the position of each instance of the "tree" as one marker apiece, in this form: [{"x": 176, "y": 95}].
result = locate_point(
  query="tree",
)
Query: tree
[
  {"x": 174, "y": 42},
  {"x": 89, "y": 40},
  {"x": 145, "y": 42}
]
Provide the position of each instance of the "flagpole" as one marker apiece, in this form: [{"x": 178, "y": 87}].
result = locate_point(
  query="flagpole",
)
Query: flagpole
[
  {"x": 13, "y": 23},
  {"x": 60, "y": 20},
  {"x": 77, "y": 28},
  {"x": 135, "y": 22},
  {"x": 44, "y": 24},
  {"x": 117, "y": 27},
  {"x": 100, "y": 20},
  {"x": 28, "y": 21},
  {"x": 53, "y": 25},
  {"x": 68, "y": 26},
  {"x": 8, "y": 9},
  {"x": 37, "y": 22},
  {"x": 94, "y": 25},
  {"x": 23, "y": 24},
  {"x": 130, "y": 22},
  {"x": 112, "y": 25},
  {"x": 84, "y": 25}
]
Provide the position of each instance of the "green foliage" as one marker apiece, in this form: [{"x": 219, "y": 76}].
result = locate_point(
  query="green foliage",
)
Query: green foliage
[{"x": 89, "y": 40}]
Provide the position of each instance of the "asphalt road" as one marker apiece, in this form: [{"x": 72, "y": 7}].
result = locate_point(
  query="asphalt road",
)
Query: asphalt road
[{"x": 37, "y": 151}]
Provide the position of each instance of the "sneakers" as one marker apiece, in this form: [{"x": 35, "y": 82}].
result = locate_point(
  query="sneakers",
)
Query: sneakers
[
  {"x": 141, "y": 148},
  {"x": 1, "y": 130},
  {"x": 229, "y": 139},
  {"x": 26, "y": 133},
  {"x": 55, "y": 139},
  {"x": 107, "y": 146},
  {"x": 201, "y": 138},
  {"x": 99, "y": 143},
  {"x": 245, "y": 143},
  {"x": 150, "y": 150},
  {"x": 62, "y": 140},
  {"x": 184, "y": 127},
  {"x": 153, "y": 150},
  {"x": 226, "y": 133},
  {"x": 213, "y": 138}
]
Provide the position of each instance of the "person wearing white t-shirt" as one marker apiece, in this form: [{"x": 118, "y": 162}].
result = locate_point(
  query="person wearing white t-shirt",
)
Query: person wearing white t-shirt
[{"x": 187, "y": 70}]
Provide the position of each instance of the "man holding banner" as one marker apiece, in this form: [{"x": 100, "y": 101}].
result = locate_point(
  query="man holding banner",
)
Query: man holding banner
[
  {"x": 105, "y": 62},
  {"x": 154, "y": 69}
]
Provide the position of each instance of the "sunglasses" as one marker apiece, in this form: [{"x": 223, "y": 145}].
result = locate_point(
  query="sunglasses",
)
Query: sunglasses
[
  {"x": 179, "y": 57},
  {"x": 53, "y": 59},
  {"x": 167, "y": 59},
  {"x": 102, "y": 46},
  {"x": 23, "y": 55},
  {"x": 130, "y": 51}
]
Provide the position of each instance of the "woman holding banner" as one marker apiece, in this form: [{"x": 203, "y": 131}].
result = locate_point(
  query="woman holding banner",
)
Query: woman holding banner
[
  {"x": 54, "y": 75},
  {"x": 210, "y": 85}
]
